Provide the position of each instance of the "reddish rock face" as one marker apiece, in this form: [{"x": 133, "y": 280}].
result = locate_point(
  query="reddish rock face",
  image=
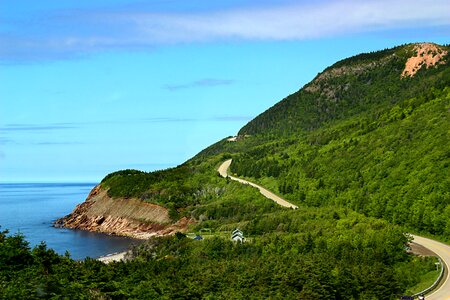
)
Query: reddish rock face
[
  {"x": 126, "y": 217},
  {"x": 427, "y": 54}
]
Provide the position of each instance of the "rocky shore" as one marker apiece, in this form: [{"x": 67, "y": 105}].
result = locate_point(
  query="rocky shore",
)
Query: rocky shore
[{"x": 120, "y": 216}]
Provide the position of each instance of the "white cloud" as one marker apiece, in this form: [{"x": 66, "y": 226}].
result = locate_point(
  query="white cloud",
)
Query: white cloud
[
  {"x": 290, "y": 22},
  {"x": 78, "y": 32},
  {"x": 206, "y": 82}
]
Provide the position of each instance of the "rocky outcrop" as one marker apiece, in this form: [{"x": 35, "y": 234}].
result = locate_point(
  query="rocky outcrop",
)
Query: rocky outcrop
[
  {"x": 321, "y": 84},
  {"x": 427, "y": 54},
  {"x": 119, "y": 216}
]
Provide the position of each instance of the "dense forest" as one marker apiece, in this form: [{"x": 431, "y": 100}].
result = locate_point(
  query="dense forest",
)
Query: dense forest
[
  {"x": 392, "y": 165},
  {"x": 362, "y": 151},
  {"x": 313, "y": 254},
  {"x": 353, "y": 86}
]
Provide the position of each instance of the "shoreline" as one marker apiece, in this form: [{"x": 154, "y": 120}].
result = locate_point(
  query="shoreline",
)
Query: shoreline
[{"x": 116, "y": 257}]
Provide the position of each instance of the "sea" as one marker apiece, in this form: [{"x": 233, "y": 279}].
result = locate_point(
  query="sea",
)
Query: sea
[{"x": 31, "y": 208}]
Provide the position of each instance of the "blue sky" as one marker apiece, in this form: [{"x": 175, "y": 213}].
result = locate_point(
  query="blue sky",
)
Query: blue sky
[{"x": 90, "y": 87}]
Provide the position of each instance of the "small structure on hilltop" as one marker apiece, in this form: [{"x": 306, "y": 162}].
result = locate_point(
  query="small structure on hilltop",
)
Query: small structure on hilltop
[
  {"x": 237, "y": 138},
  {"x": 237, "y": 236}
]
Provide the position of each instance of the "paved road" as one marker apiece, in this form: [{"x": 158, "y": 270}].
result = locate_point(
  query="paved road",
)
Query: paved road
[
  {"x": 223, "y": 171},
  {"x": 443, "y": 250}
]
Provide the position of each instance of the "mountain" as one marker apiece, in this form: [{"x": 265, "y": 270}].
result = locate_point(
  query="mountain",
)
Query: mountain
[
  {"x": 363, "y": 83},
  {"x": 369, "y": 133},
  {"x": 363, "y": 150}
]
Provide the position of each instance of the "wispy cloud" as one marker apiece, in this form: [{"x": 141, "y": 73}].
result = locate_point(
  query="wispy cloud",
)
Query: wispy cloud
[
  {"x": 167, "y": 120},
  {"x": 207, "y": 82},
  {"x": 6, "y": 141},
  {"x": 9, "y": 129},
  {"x": 21, "y": 141},
  {"x": 47, "y": 143},
  {"x": 227, "y": 118},
  {"x": 232, "y": 118},
  {"x": 80, "y": 32},
  {"x": 36, "y": 127}
]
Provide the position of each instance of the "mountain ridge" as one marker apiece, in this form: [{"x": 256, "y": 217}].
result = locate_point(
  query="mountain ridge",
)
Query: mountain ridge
[
  {"x": 346, "y": 88},
  {"x": 372, "y": 82},
  {"x": 365, "y": 158}
]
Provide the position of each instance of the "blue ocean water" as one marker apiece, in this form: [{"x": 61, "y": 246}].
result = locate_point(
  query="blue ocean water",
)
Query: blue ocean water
[{"x": 31, "y": 209}]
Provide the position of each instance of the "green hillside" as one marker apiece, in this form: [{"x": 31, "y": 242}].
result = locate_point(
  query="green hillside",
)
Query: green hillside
[
  {"x": 391, "y": 164},
  {"x": 381, "y": 146},
  {"x": 360, "y": 84},
  {"x": 362, "y": 150}
]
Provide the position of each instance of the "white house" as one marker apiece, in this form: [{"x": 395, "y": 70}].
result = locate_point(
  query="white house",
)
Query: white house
[{"x": 237, "y": 236}]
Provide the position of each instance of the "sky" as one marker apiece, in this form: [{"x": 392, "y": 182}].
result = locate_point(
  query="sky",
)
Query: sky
[{"x": 91, "y": 87}]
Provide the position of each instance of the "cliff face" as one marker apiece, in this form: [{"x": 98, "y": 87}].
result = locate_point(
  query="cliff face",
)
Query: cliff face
[{"x": 126, "y": 217}]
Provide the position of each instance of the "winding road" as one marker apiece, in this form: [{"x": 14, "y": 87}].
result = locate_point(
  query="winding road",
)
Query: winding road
[
  {"x": 223, "y": 171},
  {"x": 443, "y": 251},
  {"x": 440, "y": 249}
]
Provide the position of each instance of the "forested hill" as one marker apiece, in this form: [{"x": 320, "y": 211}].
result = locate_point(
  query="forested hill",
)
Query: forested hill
[
  {"x": 370, "y": 133},
  {"x": 365, "y": 82},
  {"x": 363, "y": 151}
]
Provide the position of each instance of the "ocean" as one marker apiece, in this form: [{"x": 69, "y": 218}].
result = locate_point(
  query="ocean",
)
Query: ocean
[{"x": 31, "y": 209}]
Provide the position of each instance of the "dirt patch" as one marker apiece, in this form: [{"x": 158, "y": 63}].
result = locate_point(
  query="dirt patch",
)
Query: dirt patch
[
  {"x": 427, "y": 54},
  {"x": 420, "y": 250}
]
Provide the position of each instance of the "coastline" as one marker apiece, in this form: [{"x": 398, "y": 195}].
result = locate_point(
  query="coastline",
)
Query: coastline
[
  {"x": 116, "y": 257},
  {"x": 129, "y": 217},
  {"x": 31, "y": 208}
]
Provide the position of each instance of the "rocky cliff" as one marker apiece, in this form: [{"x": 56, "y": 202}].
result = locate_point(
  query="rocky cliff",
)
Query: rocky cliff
[{"x": 119, "y": 216}]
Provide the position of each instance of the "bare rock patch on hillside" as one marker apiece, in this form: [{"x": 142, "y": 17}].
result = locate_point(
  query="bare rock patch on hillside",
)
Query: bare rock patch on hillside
[{"x": 427, "y": 54}]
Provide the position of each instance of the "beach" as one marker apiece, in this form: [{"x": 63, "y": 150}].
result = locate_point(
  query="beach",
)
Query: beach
[{"x": 112, "y": 257}]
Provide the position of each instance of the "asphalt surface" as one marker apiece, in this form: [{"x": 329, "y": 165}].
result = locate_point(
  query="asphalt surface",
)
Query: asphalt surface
[
  {"x": 443, "y": 251},
  {"x": 440, "y": 249},
  {"x": 223, "y": 171}
]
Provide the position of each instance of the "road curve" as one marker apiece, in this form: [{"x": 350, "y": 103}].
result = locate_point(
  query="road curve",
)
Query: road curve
[
  {"x": 443, "y": 251},
  {"x": 223, "y": 171}
]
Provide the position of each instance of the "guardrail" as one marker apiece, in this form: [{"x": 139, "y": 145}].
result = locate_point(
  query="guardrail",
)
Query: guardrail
[{"x": 436, "y": 283}]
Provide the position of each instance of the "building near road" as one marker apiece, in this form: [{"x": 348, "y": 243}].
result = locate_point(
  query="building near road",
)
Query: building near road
[{"x": 237, "y": 236}]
